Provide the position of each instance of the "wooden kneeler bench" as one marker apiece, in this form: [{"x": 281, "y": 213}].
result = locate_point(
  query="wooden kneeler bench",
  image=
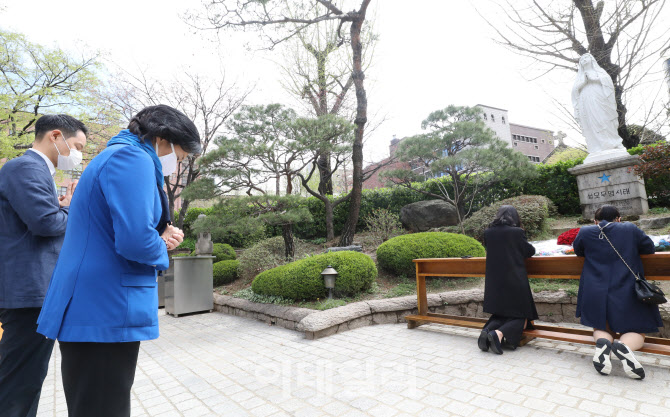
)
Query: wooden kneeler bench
[{"x": 656, "y": 267}]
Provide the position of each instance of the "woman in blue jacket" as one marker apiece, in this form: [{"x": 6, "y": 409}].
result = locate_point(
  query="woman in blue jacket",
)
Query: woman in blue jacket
[
  {"x": 102, "y": 299},
  {"x": 606, "y": 300}
]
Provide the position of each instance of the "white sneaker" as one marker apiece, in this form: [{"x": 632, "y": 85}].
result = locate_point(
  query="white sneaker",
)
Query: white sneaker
[
  {"x": 601, "y": 357},
  {"x": 631, "y": 366}
]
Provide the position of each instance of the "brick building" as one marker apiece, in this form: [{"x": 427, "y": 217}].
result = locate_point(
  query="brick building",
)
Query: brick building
[{"x": 375, "y": 181}]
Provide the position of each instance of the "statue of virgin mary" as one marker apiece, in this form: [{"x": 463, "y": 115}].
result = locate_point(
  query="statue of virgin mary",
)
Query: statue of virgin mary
[{"x": 595, "y": 111}]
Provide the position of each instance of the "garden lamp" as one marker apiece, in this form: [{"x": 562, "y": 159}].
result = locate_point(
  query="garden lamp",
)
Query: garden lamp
[{"x": 329, "y": 274}]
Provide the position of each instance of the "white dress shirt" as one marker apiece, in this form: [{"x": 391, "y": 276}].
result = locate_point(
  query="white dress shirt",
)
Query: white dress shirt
[{"x": 52, "y": 168}]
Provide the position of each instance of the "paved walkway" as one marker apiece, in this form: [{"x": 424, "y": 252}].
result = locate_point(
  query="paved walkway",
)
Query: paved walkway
[{"x": 219, "y": 365}]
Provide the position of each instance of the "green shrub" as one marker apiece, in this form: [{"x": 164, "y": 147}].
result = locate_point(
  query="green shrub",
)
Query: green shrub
[
  {"x": 188, "y": 243},
  {"x": 383, "y": 225},
  {"x": 191, "y": 216},
  {"x": 301, "y": 280},
  {"x": 558, "y": 185},
  {"x": 396, "y": 255},
  {"x": 222, "y": 251},
  {"x": 267, "y": 254},
  {"x": 533, "y": 210},
  {"x": 226, "y": 272}
]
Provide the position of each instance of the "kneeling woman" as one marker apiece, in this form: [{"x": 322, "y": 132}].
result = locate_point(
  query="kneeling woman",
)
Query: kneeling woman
[
  {"x": 507, "y": 294},
  {"x": 606, "y": 300}
]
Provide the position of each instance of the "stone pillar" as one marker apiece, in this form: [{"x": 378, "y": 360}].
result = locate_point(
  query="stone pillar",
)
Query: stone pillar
[{"x": 612, "y": 182}]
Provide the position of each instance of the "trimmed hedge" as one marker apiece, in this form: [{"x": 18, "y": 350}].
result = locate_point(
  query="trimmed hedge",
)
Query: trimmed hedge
[
  {"x": 222, "y": 251},
  {"x": 533, "y": 210},
  {"x": 396, "y": 255},
  {"x": 226, "y": 272},
  {"x": 301, "y": 280}
]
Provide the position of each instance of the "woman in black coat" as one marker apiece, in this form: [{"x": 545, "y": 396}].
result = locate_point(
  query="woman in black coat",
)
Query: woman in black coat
[
  {"x": 606, "y": 299},
  {"x": 507, "y": 294}
]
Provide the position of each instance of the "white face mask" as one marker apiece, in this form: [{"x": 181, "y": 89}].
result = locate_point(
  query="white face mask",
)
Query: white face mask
[
  {"x": 169, "y": 162},
  {"x": 70, "y": 162}
]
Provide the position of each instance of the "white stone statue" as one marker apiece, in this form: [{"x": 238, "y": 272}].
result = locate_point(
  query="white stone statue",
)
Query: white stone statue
[{"x": 595, "y": 111}]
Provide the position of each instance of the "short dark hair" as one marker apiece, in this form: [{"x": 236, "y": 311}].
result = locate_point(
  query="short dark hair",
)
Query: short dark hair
[
  {"x": 167, "y": 123},
  {"x": 607, "y": 212},
  {"x": 506, "y": 216},
  {"x": 68, "y": 125}
]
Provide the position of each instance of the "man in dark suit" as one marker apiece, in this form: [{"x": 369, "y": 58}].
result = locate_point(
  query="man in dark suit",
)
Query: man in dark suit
[{"x": 32, "y": 228}]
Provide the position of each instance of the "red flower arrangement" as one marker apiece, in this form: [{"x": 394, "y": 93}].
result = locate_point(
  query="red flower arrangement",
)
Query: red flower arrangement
[{"x": 566, "y": 238}]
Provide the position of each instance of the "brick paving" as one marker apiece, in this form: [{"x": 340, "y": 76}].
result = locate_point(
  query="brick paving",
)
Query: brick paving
[{"x": 219, "y": 365}]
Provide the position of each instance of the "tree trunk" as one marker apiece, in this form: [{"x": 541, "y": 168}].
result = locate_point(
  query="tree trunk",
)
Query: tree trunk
[
  {"x": 325, "y": 179},
  {"x": 628, "y": 140},
  {"x": 182, "y": 213},
  {"x": 289, "y": 184},
  {"x": 289, "y": 244},
  {"x": 349, "y": 230},
  {"x": 330, "y": 229},
  {"x": 171, "y": 199},
  {"x": 323, "y": 163}
]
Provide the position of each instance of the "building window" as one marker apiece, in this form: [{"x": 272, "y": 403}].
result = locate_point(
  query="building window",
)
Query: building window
[
  {"x": 516, "y": 143},
  {"x": 503, "y": 120},
  {"x": 493, "y": 118},
  {"x": 534, "y": 140},
  {"x": 542, "y": 140},
  {"x": 537, "y": 147},
  {"x": 62, "y": 191},
  {"x": 485, "y": 117}
]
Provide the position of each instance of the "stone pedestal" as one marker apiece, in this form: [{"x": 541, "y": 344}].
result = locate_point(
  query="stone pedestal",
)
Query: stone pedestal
[{"x": 614, "y": 182}]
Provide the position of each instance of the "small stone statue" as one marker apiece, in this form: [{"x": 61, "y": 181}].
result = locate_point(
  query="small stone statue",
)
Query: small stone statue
[
  {"x": 595, "y": 111},
  {"x": 204, "y": 245}
]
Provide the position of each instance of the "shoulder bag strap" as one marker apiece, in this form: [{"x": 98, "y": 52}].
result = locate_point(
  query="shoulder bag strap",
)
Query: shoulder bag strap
[{"x": 602, "y": 234}]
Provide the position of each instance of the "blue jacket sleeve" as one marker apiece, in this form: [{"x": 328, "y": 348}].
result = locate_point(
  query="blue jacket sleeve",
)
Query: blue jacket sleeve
[
  {"x": 129, "y": 186},
  {"x": 32, "y": 196}
]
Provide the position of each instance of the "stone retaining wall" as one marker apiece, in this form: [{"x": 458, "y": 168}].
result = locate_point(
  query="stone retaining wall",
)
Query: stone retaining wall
[{"x": 552, "y": 307}]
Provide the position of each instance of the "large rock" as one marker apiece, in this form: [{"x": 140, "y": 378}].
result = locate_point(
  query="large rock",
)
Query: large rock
[
  {"x": 656, "y": 223},
  {"x": 425, "y": 215}
]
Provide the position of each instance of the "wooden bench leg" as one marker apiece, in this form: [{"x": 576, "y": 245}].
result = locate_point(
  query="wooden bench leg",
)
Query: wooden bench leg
[
  {"x": 412, "y": 324},
  {"x": 525, "y": 339}
]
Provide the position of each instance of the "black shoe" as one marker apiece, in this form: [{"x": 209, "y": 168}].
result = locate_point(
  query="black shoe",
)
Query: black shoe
[
  {"x": 601, "y": 357},
  {"x": 631, "y": 366},
  {"x": 494, "y": 343},
  {"x": 483, "y": 341}
]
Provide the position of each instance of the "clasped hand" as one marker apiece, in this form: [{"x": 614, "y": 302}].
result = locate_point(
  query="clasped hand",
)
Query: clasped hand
[{"x": 172, "y": 237}]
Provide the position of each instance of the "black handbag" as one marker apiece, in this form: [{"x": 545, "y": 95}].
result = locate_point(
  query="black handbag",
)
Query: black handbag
[{"x": 645, "y": 291}]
